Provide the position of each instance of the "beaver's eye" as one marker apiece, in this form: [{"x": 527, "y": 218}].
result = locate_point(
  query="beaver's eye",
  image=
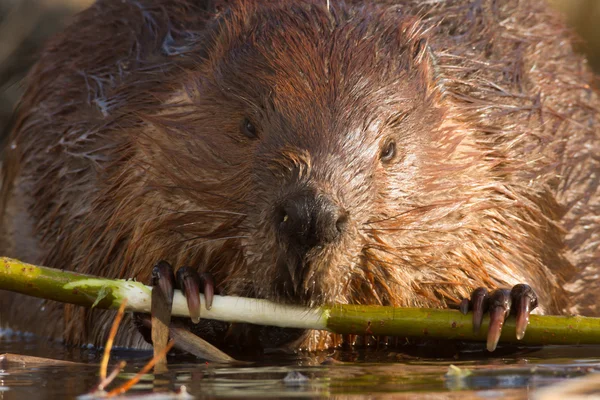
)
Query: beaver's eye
[
  {"x": 388, "y": 151},
  {"x": 249, "y": 129}
]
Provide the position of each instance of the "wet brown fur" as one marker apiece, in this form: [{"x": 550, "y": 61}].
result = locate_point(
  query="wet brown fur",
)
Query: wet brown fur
[{"x": 127, "y": 150}]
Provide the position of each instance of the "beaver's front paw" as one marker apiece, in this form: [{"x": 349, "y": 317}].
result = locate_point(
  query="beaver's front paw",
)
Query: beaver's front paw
[
  {"x": 520, "y": 301},
  {"x": 192, "y": 284},
  {"x": 188, "y": 281}
]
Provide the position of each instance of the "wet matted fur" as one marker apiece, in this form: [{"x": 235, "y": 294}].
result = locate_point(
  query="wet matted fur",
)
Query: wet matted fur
[{"x": 127, "y": 150}]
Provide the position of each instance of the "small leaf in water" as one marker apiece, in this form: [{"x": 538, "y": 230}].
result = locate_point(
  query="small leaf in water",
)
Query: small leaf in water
[{"x": 456, "y": 372}]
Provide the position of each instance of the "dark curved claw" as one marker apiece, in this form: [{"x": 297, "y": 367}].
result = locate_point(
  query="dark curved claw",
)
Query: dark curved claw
[
  {"x": 524, "y": 301},
  {"x": 480, "y": 304},
  {"x": 499, "y": 307},
  {"x": 208, "y": 284},
  {"x": 463, "y": 306},
  {"x": 189, "y": 283},
  {"x": 164, "y": 279}
]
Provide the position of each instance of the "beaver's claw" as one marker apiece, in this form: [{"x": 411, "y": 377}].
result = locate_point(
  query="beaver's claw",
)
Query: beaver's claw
[
  {"x": 191, "y": 284},
  {"x": 189, "y": 281},
  {"x": 520, "y": 301}
]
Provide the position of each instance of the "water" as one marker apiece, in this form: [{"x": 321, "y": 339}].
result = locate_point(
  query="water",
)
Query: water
[{"x": 372, "y": 373}]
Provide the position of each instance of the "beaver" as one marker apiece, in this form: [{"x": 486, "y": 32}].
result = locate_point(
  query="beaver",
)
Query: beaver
[{"x": 389, "y": 152}]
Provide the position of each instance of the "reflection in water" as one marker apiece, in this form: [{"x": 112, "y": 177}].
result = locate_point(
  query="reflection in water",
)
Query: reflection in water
[{"x": 380, "y": 373}]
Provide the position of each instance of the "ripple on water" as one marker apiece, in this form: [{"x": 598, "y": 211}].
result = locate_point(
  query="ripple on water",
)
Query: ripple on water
[{"x": 381, "y": 373}]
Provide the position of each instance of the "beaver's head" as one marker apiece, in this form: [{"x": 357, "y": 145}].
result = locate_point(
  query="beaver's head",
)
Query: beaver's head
[
  {"x": 320, "y": 135},
  {"x": 329, "y": 122}
]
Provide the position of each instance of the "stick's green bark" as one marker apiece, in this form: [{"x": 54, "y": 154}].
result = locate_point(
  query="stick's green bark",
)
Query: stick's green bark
[
  {"x": 68, "y": 286},
  {"x": 88, "y": 291},
  {"x": 451, "y": 324}
]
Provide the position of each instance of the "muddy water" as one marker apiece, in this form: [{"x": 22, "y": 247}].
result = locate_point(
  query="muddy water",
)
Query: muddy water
[{"x": 372, "y": 373}]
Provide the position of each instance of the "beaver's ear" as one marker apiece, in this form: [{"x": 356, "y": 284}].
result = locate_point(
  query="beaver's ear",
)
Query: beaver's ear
[
  {"x": 226, "y": 23},
  {"x": 425, "y": 61}
]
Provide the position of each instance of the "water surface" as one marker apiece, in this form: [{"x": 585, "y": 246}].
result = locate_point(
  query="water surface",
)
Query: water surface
[{"x": 370, "y": 372}]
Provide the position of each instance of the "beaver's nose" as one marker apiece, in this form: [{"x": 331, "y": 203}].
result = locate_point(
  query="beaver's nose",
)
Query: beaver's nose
[{"x": 306, "y": 220}]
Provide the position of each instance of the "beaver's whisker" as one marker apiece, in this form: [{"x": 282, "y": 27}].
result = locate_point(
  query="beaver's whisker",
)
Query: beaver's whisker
[
  {"x": 400, "y": 229},
  {"x": 187, "y": 224},
  {"x": 213, "y": 240},
  {"x": 415, "y": 209},
  {"x": 199, "y": 191},
  {"x": 396, "y": 250},
  {"x": 176, "y": 244},
  {"x": 203, "y": 211}
]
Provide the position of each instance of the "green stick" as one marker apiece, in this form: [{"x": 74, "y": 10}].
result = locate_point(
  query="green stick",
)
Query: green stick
[{"x": 89, "y": 291}]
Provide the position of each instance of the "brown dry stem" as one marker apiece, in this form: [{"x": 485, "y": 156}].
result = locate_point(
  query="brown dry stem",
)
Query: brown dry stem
[
  {"x": 127, "y": 385},
  {"x": 110, "y": 341}
]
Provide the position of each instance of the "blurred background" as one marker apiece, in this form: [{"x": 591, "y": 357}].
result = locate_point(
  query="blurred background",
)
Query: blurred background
[{"x": 26, "y": 24}]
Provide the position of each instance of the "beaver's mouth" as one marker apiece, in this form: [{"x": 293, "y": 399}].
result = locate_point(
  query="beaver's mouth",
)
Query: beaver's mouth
[
  {"x": 302, "y": 277},
  {"x": 291, "y": 280}
]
